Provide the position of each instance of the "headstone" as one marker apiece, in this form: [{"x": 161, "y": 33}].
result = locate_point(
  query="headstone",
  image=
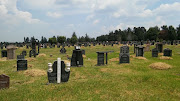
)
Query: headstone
[
  {"x": 20, "y": 57},
  {"x": 159, "y": 46},
  {"x": 100, "y": 58},
  {"x": 155, "y": 52},
  {"x": 4, "y": 81},
  {"x": 59, "y": 72},
  {"x": 24, "y": 53},
  {"x": 3, "y": 53},
  {"x": 167, "y": 52},
  {"x": 139, "y": 51},
  {"x": 21, "y": 65},
  {"x": 77, "y": 58},
  {"x": 83, "y": 51},
  {"x": 147, "y": 48},
  {"x": 11, "y": 54},
  {"x": 124, "y": 54},
  {"x": 63, "y": 50}
]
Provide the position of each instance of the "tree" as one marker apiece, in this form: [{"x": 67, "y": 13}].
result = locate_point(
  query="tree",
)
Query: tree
[
  {"x": 74, "y": 38},
  {"x": 152, "y": 33},
  {"x": 81, "y": 39},
  {"x": 178, "y": 32},
  {"x": 42, "y": 40},
  {"x": 61, "y": 39},
  {"x": 163, "y": 34},
  {"x": 87, "y": 39},
  {"x": 53, "y": 40},
  {"x": 171, "y": 33}
]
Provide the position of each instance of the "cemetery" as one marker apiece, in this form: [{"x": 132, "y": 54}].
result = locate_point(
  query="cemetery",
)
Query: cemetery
[
  {"x": 105, "y": 72},
  {"x": 89, "y": 50}
]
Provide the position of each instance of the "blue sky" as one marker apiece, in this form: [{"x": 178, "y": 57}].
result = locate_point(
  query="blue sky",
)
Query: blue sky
[{"x": 26, "y": 18}]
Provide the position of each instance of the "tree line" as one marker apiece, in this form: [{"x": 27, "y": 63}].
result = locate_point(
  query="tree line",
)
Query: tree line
[
  {"x": 136, "y": 34},
  {"x": 140, "y": 33}
]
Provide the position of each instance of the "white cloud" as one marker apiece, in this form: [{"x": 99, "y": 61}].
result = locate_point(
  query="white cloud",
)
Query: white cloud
[
  {"x": 54, "y": 14},
  {"x": 95, "y": 22}
]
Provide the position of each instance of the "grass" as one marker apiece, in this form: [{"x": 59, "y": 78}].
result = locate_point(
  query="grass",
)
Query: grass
[{"x": 134, "y": 81}]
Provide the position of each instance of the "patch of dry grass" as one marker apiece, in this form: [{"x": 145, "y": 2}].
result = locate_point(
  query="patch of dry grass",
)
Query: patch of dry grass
[
  {"x": 116, "y": 71},
  {"x": 35, "y": 72},
  {"x": 84, "y": 56},
  {"x": 160, "y": 66},
  {"x": 141, "y": 58},
  {"x": 114, "y": 59},
  {"x": 3, "y": 59},
  {"x": 165, "y": 58},
  {"x": 41, "y": 55},
  {"x": 160, "y": 54},
  {"x": 31, "y": 59}
]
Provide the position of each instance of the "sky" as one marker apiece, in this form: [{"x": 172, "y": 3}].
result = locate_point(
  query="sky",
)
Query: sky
[{"x": 27, "y": 18}]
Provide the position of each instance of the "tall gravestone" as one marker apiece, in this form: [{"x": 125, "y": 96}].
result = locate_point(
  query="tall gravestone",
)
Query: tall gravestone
[
  {"x": 155, "y": 52},
  {"x": 139, "y": 51},
  {"x": 58, "y": 72},
  {"x": 33, "y": 52},
  {"x": 63, "y": 50},
  {"x": 4, "y": 81},
  {"x": 124, "y": 54},
  {"x": 11, "y": 54},
  {"x": 77, "y": 58},
  {"x": 159, "y": 46},
  {"x": 100, "y": 58}
]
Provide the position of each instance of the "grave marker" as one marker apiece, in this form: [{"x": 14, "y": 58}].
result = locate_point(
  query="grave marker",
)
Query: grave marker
[{"x": 4, "y": 81}]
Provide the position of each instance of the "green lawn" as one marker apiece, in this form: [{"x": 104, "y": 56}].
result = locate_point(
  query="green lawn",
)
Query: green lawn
[{"x": 134, "y": 81}]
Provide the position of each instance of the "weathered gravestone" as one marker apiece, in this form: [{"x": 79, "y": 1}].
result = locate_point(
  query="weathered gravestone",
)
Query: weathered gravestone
[
  {"x": 77, "y": 58},
  {"x": 100, "y": 57},
  {"x": 124, "y": 54},
  {"x": 4, "y": 81},
  {"x": 167, "y": 52},
  {"x": 63, "y": 50},
  {"x": 159, "y": 46},
  {"x": 21, "y": 65},
  {"x": 139, "y": 51},
  {"x": 155, "y": 52},
  {"x": 147, "y": 48},
  {"x": 11, "y": 54},
  {"x": 3, "y": 53},
  {"x": 58, "y": 72}
]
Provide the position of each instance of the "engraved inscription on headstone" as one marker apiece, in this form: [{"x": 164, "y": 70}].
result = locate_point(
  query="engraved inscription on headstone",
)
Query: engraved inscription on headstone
[
  {"x": 100, "y": 58},
  {"x": 155, "y": 52},
  {"x": 124, "y": 54},
  {"x": 4, "y": 81},
  {"x": 21, "y": 65}
]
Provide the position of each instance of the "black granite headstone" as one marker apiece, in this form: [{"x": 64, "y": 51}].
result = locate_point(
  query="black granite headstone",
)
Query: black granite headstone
[
  {"x": 159, "y": 46},
  {"x": 63, "y": 50},
  {"x": 52, "y": 76},
  {"x": 167, "y": 52},
  {"x": 100, "y": 58},
  {"x": 139, "y": 51},
  {"x": 77, "y": 58},
  {"x": 124, "y": 54},
  {"x": 3, "y": 53},
  {"x": 21, "y": 65},
  {"x": 24, "y": 53},
  {"x": 155, "y": 52}
]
